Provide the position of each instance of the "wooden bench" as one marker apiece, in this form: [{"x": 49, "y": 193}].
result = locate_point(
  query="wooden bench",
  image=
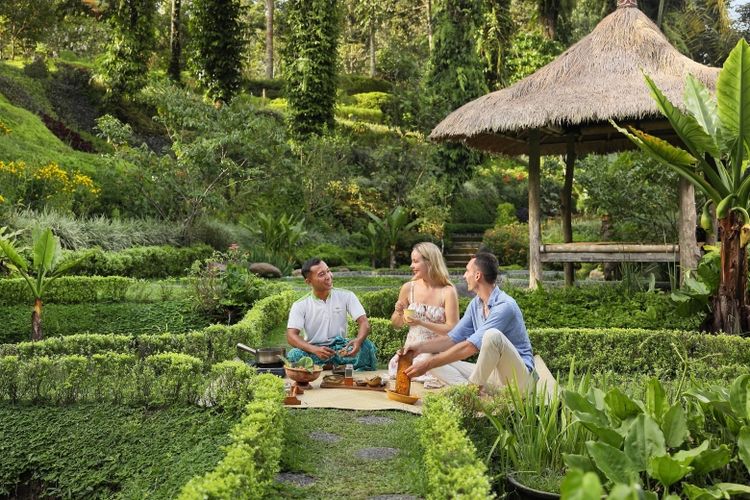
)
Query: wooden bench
[{"x": 609, "y": 252}]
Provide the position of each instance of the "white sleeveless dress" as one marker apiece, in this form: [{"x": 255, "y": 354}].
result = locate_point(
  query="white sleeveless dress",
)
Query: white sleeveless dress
[{"x": 419, "y": 333}]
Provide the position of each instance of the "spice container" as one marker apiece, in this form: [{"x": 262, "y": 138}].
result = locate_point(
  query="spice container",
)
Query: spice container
[{"x": 349, "y": 374}]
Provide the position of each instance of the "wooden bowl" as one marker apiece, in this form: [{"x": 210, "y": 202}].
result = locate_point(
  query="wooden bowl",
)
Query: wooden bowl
[
  {"x": 401, "y": 398},
  {"x": 302, "y": 376}
]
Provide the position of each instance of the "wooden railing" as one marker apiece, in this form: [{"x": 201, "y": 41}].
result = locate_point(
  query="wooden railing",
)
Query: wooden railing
[{"x": 609, "y": 252}]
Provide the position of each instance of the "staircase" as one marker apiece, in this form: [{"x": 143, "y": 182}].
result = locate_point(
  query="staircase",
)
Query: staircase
[{"x": 463, "y": 247}]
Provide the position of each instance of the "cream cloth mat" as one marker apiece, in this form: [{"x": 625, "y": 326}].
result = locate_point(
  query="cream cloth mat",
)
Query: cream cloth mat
[{"x": 357, "y": 399}]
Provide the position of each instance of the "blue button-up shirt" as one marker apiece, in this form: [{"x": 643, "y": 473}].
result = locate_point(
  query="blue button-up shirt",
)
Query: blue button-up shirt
[{"x": 504, "y": 314}]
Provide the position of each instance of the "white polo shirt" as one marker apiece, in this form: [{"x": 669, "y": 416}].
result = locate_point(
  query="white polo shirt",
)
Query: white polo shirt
[{"x": 323, "y": 320}]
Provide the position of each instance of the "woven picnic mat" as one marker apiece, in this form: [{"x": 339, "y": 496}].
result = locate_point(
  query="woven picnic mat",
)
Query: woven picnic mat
[{"x": 356, "y": 399}]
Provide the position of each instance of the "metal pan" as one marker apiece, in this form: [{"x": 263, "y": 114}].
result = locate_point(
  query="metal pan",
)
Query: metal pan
[{"x": 265, "y": 355}]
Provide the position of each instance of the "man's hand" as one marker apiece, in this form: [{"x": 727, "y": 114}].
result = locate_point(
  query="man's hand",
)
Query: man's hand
[
  {"x": 323, "y": 352},
  {"x": 414, "y": 348},
  {"x": 419, "y": 368},
  {"x": 350, "y": 349}
]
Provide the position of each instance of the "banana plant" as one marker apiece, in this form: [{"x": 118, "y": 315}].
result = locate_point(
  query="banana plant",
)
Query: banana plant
[
  {"x": 389, "y": 228},
  {"x": 43, "y": 270},
  {"x": 715, "y": 132}
]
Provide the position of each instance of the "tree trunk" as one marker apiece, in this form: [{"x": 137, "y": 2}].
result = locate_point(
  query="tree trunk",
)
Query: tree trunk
[
  {"x": 566, "y": 205},
  {"x": 175, "y": 42},
  {"x": 372, "y": 50},
  {"x": 269, "y": 39},
  {"x": 392, "y": 255},
  {"x": 429, "y": 26},
  {"x": 36, "y": 320},
  {"x": 730, "y": 310}
]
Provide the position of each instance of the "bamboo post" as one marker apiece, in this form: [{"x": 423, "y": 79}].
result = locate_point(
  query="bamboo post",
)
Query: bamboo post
[
  {"x": 689, "y": 252},
  {"x": 535, "y": 230},
  {"x": 566, "y": 204}
]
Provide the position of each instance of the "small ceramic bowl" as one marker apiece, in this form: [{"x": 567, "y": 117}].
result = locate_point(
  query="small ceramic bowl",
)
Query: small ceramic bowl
[{"x": 303, "y": 376}]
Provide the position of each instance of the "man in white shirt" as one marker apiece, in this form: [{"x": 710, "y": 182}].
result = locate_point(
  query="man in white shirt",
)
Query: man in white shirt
[{"x": 323, "y": 317}]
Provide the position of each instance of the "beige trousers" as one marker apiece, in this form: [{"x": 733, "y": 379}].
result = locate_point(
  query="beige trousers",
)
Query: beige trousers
[{"x": 498, "y": 365}]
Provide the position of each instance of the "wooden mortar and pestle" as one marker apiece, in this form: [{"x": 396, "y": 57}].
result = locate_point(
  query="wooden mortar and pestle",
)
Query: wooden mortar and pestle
[{"x": 402, "y": 389}]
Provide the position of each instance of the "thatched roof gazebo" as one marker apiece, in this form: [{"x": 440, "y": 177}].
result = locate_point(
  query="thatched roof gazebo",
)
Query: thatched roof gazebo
[{"x": 565, "y": 108}]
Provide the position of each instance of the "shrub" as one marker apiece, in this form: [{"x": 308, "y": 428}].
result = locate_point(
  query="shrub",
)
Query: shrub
[
  {"x": 359, "y": 114},
  {"x": 67, "y": 290},
  {"x": 372, "y": 100},
  {"x": 599, "y": 307},
  {"x": 100, "y": 450},
  {"x": 636, "y": 351},
  {"x": 252, "y": 459},
  {"x": 211, "y": 345},
  {"x": 358, "y": 84},
  {"x": 379, "y": 304},
  {"x": 124, "y": 318},
  {"x": 510, "y": 243},
  {"x": 333, "y": 255},
  {"x": 387, "y": 339},
  {"x": 141, "y": 262},
  {"x": 452, "y": 466},
  {"x": 274, "y": 88}
]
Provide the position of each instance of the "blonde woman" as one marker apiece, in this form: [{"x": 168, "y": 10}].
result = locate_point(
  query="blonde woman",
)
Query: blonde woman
[{"x": 428, "y": 304}]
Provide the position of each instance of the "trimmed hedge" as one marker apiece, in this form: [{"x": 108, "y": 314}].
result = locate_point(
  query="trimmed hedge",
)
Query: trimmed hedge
[
  {"x": 158, "y": 380},
  {"x": 67, "y": 290},
  {"x": 210, "y": 345},
  {"x": 99, "y": 450},
  {"x": 252, "y": 459},
  {"x": 599, "y": 307},
  {"x": 651, "y": 352},
  {"x": 453, "y": 469},
  {"x": 124, "y": 318},
  {"x": 140, "y": 262}
]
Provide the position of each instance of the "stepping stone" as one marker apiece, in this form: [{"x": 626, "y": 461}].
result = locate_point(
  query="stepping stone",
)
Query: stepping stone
[
  {"x": 377, "y": 453},
  {"x": 295, "y": 478},
  {"x": 374, "y": 420},
  {"x": 324, "y": 437}
]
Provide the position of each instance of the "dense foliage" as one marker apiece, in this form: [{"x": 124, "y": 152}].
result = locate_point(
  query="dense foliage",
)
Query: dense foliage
[
  {"x": 310, "y": 59},
  {"x": 125, "y": 66},
  {"x": 136, "y": 452},
  {"x": 217, "y": 40}
]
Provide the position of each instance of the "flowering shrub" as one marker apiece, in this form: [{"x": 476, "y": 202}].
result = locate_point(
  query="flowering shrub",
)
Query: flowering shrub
[{"x": 46, "y": 186}]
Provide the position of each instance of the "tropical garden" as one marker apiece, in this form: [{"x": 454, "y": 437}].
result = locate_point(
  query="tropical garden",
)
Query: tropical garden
[{"x": 167, "y": 166}]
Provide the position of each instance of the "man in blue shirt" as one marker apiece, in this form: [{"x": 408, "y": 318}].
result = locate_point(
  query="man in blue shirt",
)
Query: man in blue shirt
[{"x": 492, "y": 326}]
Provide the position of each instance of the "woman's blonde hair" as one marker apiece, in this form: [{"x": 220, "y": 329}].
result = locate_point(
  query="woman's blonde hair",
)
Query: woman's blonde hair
[{"x": 436, "y": 268}]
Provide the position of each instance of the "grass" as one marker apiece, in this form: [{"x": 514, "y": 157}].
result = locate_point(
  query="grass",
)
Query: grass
[
  {"x": 30, "y": 141},
  {"x": 338, "y": 472}
]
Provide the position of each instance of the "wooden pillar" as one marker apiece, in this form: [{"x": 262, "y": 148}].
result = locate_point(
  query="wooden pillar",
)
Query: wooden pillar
[
  {"x": 535, "y": 229},
  {"x": 566, "y": 204},
  {"x": 689, "y": 252}
]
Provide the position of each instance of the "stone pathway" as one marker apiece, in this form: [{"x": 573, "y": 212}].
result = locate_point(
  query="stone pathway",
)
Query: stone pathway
[{"x": 326, "y": 438}]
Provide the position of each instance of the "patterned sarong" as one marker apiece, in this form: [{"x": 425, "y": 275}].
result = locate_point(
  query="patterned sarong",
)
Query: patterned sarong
[{"x": 365, "y": 359}]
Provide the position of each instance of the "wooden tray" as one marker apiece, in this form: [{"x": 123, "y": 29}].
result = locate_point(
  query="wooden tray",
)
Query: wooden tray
[{"x": 327, "y": 385}]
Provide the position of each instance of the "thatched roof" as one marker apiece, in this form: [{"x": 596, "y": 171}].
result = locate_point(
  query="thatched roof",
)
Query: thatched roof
[{"x": 597, "y": 79}]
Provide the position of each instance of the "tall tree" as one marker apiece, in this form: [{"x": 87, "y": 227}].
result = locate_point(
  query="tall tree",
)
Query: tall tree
[
  {"x": 370, "y": 14},
  {"x": 24, "y": 22},
  {"x": 125, "y": 64},
  {"x": 310, "y": 65},
  {"x": 455, "y": 74},
  {"x": 552, "y": 13},
  {"x": 217, "y": 36},
  {"x": 175, "y": 42},
  {"x": 269, "y": 38}
]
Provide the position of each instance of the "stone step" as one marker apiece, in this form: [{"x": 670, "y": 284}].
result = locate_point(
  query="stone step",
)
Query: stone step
[
  {"x": 466, "y": 244},
  {"x": 466, "y": 237}
]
